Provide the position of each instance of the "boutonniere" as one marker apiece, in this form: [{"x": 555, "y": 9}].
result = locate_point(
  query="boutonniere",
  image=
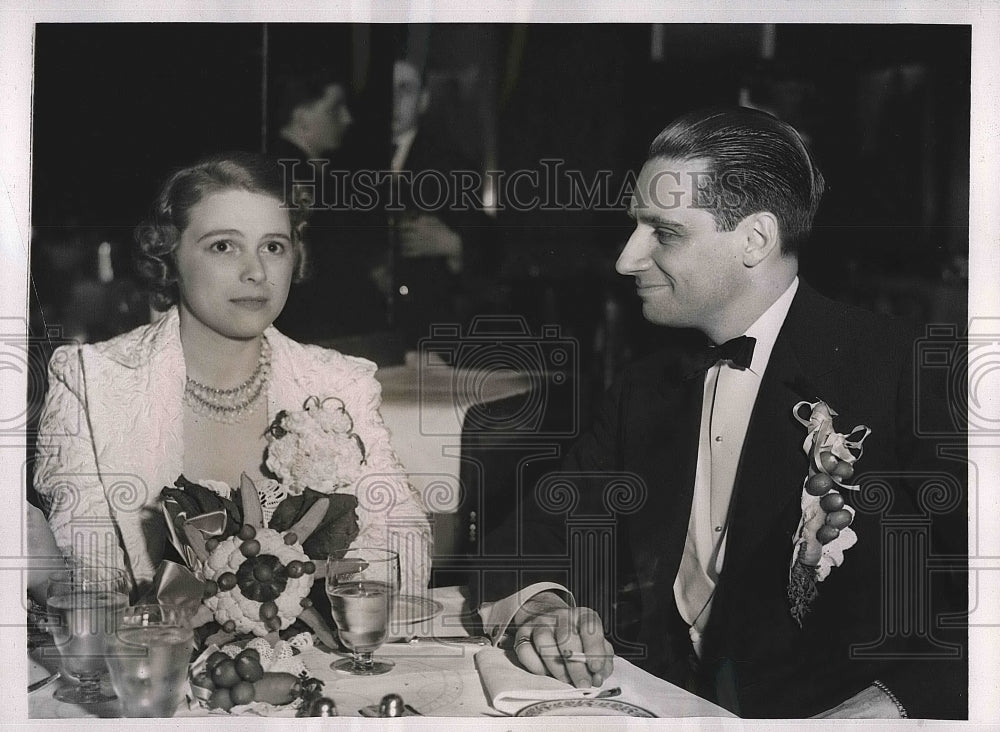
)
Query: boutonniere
[
  {"x": 824, "y": 532},
  {"x": 316, "y": 447}
]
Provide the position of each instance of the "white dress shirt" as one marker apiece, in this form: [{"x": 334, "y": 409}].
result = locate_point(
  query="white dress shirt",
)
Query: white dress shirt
[
  {"x": 732, "y": 393},
  {"x": 727, "y": 404},
  {"x": 403, "y": 143}
]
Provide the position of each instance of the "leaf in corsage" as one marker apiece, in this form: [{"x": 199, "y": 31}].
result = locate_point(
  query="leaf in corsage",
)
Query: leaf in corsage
[
  {"x": 195, "y": 500},
  {"x": 337, "y": 527},
  {"x": 824, "y": 532}
]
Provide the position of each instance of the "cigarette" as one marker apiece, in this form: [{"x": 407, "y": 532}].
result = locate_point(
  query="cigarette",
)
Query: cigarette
[{"x": 571, "y": 656}]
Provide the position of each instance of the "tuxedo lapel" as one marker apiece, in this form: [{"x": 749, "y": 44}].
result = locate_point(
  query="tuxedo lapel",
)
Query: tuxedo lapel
[
  {"x": 773, "y": 463},
  {"x": 664, "y": 450}
]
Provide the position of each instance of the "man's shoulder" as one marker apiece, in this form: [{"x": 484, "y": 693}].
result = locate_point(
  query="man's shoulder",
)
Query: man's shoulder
[{"x": 815, "y": 316}]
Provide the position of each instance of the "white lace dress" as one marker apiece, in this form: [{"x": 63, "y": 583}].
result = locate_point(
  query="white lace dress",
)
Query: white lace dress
[{"x": 111, "y": 437}]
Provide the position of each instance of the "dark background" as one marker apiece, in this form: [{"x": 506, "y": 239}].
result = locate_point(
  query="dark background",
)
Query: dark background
[{"x": 885, "y": 109}]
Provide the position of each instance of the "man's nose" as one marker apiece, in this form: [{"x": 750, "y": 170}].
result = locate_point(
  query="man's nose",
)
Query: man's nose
[{"x": 634, "y": 257}]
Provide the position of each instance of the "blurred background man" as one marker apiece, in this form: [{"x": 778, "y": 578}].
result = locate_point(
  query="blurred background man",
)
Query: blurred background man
[
  {"x": 439, "y": 241},
  {"x": 336, "y": 299}
]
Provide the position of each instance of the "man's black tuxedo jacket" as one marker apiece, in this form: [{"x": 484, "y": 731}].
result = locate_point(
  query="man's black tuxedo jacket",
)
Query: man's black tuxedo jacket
[
  {"x": 911, "y": 514},
  {"x": 435, "y": 294}
]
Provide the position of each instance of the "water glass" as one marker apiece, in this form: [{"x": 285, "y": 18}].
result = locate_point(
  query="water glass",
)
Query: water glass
[
  {"x": 84, "y": 605},
  {"x": 148, "y": 659},
  {"x": 362, "y": 585}
]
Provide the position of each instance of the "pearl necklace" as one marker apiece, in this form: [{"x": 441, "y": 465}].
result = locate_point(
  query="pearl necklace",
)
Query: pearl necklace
[{"x": 231, "y": 406}]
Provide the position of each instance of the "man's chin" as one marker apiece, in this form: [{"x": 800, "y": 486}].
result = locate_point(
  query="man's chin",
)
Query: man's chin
[{"x": 657, "y": 316}]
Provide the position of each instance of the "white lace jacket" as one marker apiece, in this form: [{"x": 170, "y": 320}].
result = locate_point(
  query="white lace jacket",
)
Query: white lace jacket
[{"x": 111, "y": 436}]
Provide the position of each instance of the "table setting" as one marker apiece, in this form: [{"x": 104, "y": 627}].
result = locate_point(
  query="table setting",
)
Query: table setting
[
  {"x": 438, "y": 668},
  {"x": 285, "y": 611}
]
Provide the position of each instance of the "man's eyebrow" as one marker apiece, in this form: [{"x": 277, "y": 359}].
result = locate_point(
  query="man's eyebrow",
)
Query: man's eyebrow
[{"x": 653, "y": 219}]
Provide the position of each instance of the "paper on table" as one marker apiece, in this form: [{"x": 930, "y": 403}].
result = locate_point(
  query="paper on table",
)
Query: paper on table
[{"x": 510, "y": 688}]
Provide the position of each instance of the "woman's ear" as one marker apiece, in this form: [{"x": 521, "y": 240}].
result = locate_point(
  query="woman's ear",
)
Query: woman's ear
[{"x": 762, "y": 237}]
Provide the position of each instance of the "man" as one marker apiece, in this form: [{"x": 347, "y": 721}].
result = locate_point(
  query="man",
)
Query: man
[
  {"x": 436, "y": 234},
  {"x": 338, "y": 297},
  {"x": 313, "y": 116},
  {"x": 709, "y": 439}
]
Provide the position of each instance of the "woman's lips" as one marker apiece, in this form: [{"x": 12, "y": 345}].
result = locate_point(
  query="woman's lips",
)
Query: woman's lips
[{"x": 249, "y": 303}]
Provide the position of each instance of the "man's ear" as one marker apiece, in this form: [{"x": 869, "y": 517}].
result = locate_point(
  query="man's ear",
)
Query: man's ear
[
  {"x": 425, "y": 101},
  {"x": 762, "y": 237}
]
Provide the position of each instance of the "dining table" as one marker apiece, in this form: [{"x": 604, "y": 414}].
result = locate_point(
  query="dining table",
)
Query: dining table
[{"x": 436, "y": 673}]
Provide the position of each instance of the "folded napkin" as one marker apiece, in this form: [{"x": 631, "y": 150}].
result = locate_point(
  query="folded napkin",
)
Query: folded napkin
[{"x": 510, "y": 688}]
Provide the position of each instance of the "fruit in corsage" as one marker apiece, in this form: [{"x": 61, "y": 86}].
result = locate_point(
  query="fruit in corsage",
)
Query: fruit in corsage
[
  {"x": 225, "y": 674},
  {"x": 249, "y": 668},
  {"x": 831, "y": 502},
  {"x": 250, "y": 653},
  {"x": 242, "y": 693},
  {"x": 276, "y": 688},
  {"x": 842, "y": 471},
  {"x": 819, "y": 484},
  {"x": 221, "y": 699},
  {"x": 825, "y": 534},
  {"x": 828, "y": 461},
  {"x": 215, "y": 659},
  {"x": 839, "y": 519}
]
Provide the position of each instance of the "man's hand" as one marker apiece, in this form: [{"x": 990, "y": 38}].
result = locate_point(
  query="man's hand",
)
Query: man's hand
[
  {"x": 429, "y": 236},
  {"x": 563, "y": 642},
  {"x": 870, "y": 703}
]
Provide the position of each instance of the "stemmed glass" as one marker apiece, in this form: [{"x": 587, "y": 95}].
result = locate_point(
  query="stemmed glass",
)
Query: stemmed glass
[
  {"x": 148, "y": 659},
  {"x": 85, "y": 604},
  {"x": 362, "y": 586}
]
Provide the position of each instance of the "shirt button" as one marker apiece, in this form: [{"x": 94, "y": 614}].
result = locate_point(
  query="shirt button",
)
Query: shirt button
[
  {"x": 718, "y": 438},
  {"x": 718, "y": 528}
]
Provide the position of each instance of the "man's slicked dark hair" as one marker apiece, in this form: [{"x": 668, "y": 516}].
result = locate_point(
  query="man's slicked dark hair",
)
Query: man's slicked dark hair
[
  {"x": 294, "y": 90},
  {"x": 756, "y": 163}
]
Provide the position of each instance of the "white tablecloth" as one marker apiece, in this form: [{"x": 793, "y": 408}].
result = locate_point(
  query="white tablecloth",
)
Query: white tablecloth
[
  {"x": 438, "y": 678},
  {"x": 424, "y": 404}
]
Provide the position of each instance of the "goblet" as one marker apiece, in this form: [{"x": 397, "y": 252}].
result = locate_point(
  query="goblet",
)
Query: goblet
[
  {"x": 148, "y": 659},
  {"x": 362, "y": 584},
  {"x": 84, "y": 605}
]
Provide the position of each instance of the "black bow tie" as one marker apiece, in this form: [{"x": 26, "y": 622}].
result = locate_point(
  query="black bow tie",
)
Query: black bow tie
[{"x": 738, "y": 351}]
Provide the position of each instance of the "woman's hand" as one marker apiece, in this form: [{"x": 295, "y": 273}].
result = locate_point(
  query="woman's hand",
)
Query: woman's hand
[{"x": 563, "y": 642}]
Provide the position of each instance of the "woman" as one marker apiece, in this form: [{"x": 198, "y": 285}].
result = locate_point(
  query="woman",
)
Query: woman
[{"x": 194, "y": 393}]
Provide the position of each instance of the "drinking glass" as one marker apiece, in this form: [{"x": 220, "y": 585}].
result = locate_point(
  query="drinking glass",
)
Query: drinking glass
[
  {"x": 148, "y": 659},
  {"x": 84, "y": 605},
  {"x": 362, "y": 585}
]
